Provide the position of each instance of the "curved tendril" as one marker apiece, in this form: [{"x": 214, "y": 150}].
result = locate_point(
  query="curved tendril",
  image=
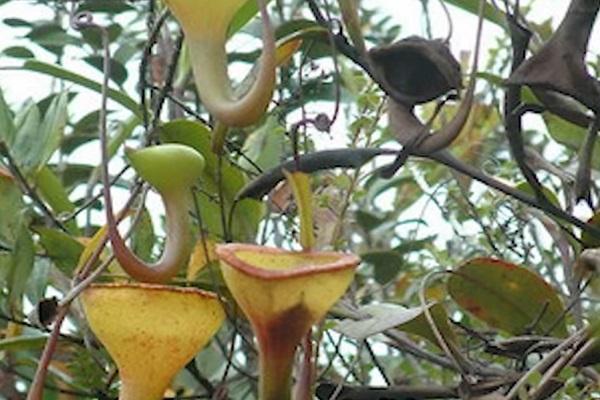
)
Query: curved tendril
[
  {"x": 156, "y": 165},
  {"x": 177, "y": 244}
]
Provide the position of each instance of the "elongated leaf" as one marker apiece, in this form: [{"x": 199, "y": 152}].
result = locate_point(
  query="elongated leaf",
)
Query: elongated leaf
[
  {"x": 27, "y": 125},
  {"x": 105, "y": 6},
  {"x": 52, "y": 128},
  {"x": 22, "y": 343},
  {"x": 7, "y": 127},
  {"x": 264, "y": 146},
  {"x": 18, "y": 52},
  {"x": 590, "y": 241},
  {"x": 62, "y": 249},
  {"x": 490, "y": 12},
  {"x": 318, "y": 161},
  {"x": 420, "y": 326},
  {"x": 67, "y": 75},
  {"x": 118, "y": 73},
  {"x": 300, "y": 184},
  {"x": 11, "y": 204},
  {"x": 381, "y": 317},
  {"x": 508, "y": 297},
  {"x": 386, "y": 264},
  {"x": 143, "y": 238},
  {"x": 244, "y": 14},
  {"x": 53, "y": 192},
  {"x": 21, "y": 263},
  {"x": 525, "y": 187},
  {"x": 36, "y": 140},
  {"x": 10, "y": 218},
  {"x": 91, "y": 245}
]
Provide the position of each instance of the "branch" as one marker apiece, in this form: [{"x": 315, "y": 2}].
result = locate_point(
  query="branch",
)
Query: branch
[
  {"x": 449, "y": 160},
  {"x": 402, "y": 392}
]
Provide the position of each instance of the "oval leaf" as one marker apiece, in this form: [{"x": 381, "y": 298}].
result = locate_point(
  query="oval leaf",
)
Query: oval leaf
[
  {"x": 589, "y": 240},
  {"x": 508, "y": 297},
  {"x": 381, "y": 317}
]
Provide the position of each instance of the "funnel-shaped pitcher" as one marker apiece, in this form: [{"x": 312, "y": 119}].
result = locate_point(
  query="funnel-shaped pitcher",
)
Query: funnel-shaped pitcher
[
  {"x": 283, "y": 293},
  {"x": 151, "y": 331}
]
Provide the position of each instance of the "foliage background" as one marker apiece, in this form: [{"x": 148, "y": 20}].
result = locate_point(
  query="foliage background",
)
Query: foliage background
[{"x": 425, "y": 218}]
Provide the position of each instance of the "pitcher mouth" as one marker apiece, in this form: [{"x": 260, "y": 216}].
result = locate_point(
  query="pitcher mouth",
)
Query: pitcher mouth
[
  {"x": 155, "y": 287},
  {"x": 296, "y": 263}
]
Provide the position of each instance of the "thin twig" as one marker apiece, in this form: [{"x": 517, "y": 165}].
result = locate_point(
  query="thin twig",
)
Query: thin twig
[
  {"x": 36, "y": 390},
  {"x": 444, "y": 344},
  {"x": 91, "y": 200},
  {"x": 545, "y": 363},
  {"x": 145, "y": 60},
  {"x": 168, "y": 85}
]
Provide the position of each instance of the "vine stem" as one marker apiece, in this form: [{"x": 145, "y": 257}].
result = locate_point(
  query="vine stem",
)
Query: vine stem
[
  {"x": 545, "y": 363},
  {"x": 78, "y": 21},
  {"x": 36, "y": 391}
]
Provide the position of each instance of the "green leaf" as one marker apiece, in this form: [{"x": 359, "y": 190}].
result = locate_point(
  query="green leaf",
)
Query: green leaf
[
  {"x": 55, "y": 195},
  {"x": 264, "y": 146},
  {"x": 75, "y": 174},
  {"x": 62, "y": 249},
  {"x": 27, "y": 124},
  {"x": 121, "y": 134},
  {"x": 21, "y": 263},
  {"x": 490, "y": 12},
  {"x": 83, "y": 131},
  {"x": 7, "y": 126},
  {"x": 570, "y": 135},
  {"x": 67, "y": 75},
  {"x": 369, "y": 220},
  {"x": 45, "y": 103},
  {"x": 507, "y": 297},
  {"x": 125, "y": 52},
  {"x": 420, "y": 326},
  {"x": 409, "y": 246},
  {"x": 35, "y": 141},
  {"x": 94, "y": 37},
  {"x": 315, "y": 40},
  {"x": 38, "y": 280},
  {"x": 590, "y": 241},
  {"x": 51, "y": 36},
  {"x": 118, "y": 73},
  {"x": 248, "y": 10},
  {"x": 105, "y": 6},
  {"x": 17, "y": 22},
  {"x": 143, "y": 238},
  {"x": 386, "y": 264},
  {"x": 525, "y": 187},
  {"x": 248, "y": 213},
  {"x": 53, "y": 127},
  {"x": 24, "y": 343},
  {"x": 18, "y": 52},
  {"x": 11, "y": 204}
]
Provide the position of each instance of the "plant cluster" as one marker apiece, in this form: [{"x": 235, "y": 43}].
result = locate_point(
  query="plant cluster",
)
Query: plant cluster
[{"x": 352, "y": 217}]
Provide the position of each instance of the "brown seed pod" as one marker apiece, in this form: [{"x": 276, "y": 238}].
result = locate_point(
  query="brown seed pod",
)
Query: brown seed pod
[
  {"x": 415, "y": 70},
  {"x": 559, "y": 66}
]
